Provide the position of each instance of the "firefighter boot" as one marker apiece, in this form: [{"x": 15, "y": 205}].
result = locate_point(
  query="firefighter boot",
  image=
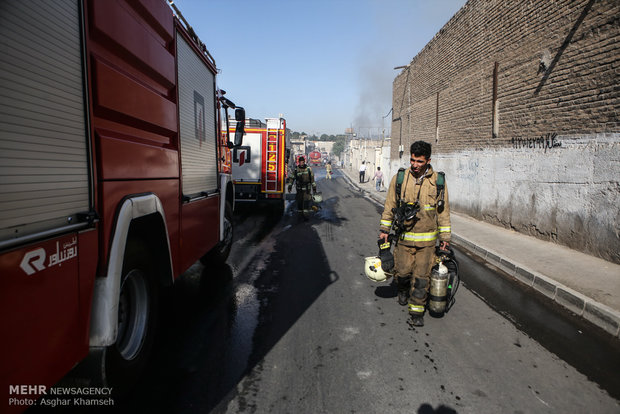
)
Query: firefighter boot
[
  {"x": 416, "y": 320},
  {"x": 417, "y": 302}
]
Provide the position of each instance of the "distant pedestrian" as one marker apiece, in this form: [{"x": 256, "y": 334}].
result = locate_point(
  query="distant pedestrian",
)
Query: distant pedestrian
[
  {"x": 378, "y": 177},
  {"x": 362, "y": 171}
]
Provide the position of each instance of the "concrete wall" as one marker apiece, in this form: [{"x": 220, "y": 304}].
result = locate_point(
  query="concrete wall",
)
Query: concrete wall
[
  {"x": 375, "y": 153},
  {"x": 521, "y": 102}
]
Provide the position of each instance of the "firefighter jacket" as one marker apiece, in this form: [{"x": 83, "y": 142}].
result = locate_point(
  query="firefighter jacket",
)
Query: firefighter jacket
[
  {"x": 429, "y": 224},
  {"x": 303, "y": 179}
]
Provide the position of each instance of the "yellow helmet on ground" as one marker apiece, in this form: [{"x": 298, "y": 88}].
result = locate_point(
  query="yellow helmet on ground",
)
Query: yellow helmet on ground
[{"x": 374, "y": 272}]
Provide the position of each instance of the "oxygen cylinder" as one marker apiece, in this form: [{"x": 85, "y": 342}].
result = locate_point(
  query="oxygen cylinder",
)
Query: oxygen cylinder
[{"x": 439, "y": 289}]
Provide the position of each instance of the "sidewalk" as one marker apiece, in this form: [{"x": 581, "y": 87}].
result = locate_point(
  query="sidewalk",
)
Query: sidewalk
[{"x": 585, "y": 285}]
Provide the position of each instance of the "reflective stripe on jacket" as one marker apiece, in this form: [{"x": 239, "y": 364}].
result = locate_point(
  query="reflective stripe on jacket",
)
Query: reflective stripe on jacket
[{"x": 430, "y": 225}]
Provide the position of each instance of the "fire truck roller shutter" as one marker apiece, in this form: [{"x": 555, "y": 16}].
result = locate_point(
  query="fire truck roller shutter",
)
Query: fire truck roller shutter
[
  {"x": 44, "y": 172},
  {"x": 197, "y": 116}
]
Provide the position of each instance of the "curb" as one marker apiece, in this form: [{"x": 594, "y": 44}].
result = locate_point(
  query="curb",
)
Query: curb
[
  {"x": 581, "y": 305},
  {"x": 592, "y": 311}
]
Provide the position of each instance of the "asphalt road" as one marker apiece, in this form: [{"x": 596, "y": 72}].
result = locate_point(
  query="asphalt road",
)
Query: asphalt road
[{"x": 292, "y": 325}]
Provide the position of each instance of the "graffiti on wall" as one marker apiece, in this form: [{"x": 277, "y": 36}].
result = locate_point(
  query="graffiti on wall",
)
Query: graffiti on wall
[{"x": 544, "y": 142}]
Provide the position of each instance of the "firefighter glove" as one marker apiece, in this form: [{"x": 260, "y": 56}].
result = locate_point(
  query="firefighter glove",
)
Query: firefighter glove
[{"x": 386, "y": 256}]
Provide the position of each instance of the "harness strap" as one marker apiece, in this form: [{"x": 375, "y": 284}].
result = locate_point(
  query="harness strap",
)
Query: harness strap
[
  {"x": 441, "y": 184},
  {"x": 399, "y": 183}
]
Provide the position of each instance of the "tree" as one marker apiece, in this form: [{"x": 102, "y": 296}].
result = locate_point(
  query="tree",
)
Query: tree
[
  {"x": 324, "y": 137},
  {"x": 338, "y": 147}
]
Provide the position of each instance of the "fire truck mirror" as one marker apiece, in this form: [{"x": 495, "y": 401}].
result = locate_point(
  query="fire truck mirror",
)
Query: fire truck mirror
[
  {"x": 240, "y": 127},
  {"x": 240, "y": 115}
]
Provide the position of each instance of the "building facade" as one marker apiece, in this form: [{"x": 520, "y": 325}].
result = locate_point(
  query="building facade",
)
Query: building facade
[{"x": 520, "y": 100}]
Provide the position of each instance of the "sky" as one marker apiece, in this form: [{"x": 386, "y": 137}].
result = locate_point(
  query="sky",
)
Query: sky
[{"x": 325, "y": 65}]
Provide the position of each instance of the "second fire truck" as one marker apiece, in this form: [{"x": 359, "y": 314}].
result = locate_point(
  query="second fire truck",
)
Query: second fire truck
[
  {"x": 315, "y": 158},
  {"x": 259, "y": 166}
]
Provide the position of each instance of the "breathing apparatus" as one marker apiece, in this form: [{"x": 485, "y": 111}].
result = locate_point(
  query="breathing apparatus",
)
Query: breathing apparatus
[
  {"x": 403, "y": 212},
  {"x": 444, "y": 282}
]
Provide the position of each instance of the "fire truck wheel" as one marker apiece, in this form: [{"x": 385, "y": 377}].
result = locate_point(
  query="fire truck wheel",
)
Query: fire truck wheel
[
  {"x": 221, "y": 251},
  {"x": 137, "y": 321}
]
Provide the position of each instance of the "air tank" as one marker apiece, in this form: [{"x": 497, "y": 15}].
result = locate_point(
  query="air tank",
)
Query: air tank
[{"x": 439, "y": 289}]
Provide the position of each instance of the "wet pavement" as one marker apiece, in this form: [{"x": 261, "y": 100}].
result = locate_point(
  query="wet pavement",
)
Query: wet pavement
[
  {"x": 291, "y": 324},
  {"x": 582, "y": 284}
]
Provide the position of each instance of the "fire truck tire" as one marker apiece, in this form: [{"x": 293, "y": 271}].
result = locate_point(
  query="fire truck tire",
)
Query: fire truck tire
[
  {"x": 220, "y": 252},
  {"x": 137, "y": 322}
]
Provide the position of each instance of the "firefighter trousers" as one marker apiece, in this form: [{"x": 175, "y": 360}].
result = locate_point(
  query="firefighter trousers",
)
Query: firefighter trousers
[
  {"x": 303, "y": 198},
  {"x": 413, "y": 265}
]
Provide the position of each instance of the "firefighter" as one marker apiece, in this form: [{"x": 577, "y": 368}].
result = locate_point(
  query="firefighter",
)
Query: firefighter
[
  {"x": 422, "y": 205},
  {"x": 328, "y": 168},
  {"x": 303, "y": 177}
]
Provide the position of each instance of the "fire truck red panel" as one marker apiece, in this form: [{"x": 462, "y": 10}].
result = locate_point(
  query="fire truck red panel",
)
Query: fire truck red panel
[
  {"x": 139, "y": 41},
  {"x": 39, "y": 284},
  {"x": 131, "y": 160},
  {"x": 115, "y": 191},
  {"x": 199, "y": 229},
  {"x": 118, "y": 94}
]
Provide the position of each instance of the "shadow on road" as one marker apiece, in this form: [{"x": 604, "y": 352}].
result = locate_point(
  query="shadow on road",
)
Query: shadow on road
[{"x": 225, "y": 319}]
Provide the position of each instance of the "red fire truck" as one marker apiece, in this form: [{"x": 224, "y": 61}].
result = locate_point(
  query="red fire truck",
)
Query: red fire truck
[
  {"x": 315, "y": 158},
  {"x": 259, "y": 166},
  {"x": 112, "y": 183}
]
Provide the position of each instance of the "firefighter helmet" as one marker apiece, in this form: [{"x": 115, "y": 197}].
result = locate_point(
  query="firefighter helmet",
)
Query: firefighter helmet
[
  {"x": 374, "y": 272},
  {"x": 317, "y": 197}
]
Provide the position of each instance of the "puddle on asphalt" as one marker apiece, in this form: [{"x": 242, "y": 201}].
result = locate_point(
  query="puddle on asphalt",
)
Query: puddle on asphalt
[
  {"x": 244, "y": 325},
  {"x": 245, "y": 320}
]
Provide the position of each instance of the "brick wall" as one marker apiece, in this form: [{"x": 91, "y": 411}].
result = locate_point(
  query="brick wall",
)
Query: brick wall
[{"x": 479, "y": 90}]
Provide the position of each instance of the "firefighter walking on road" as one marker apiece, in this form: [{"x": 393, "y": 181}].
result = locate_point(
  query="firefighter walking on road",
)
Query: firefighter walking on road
[
  {"x": 417, "y": 207},
  {"x": 303, "y": 177}
]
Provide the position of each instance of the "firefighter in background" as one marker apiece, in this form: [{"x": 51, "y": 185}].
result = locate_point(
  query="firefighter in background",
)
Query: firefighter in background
[
  {"x": 303, "y": 177},
  {"x": 328, "y": 167},
  {"x": 429, "y": 219}
]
